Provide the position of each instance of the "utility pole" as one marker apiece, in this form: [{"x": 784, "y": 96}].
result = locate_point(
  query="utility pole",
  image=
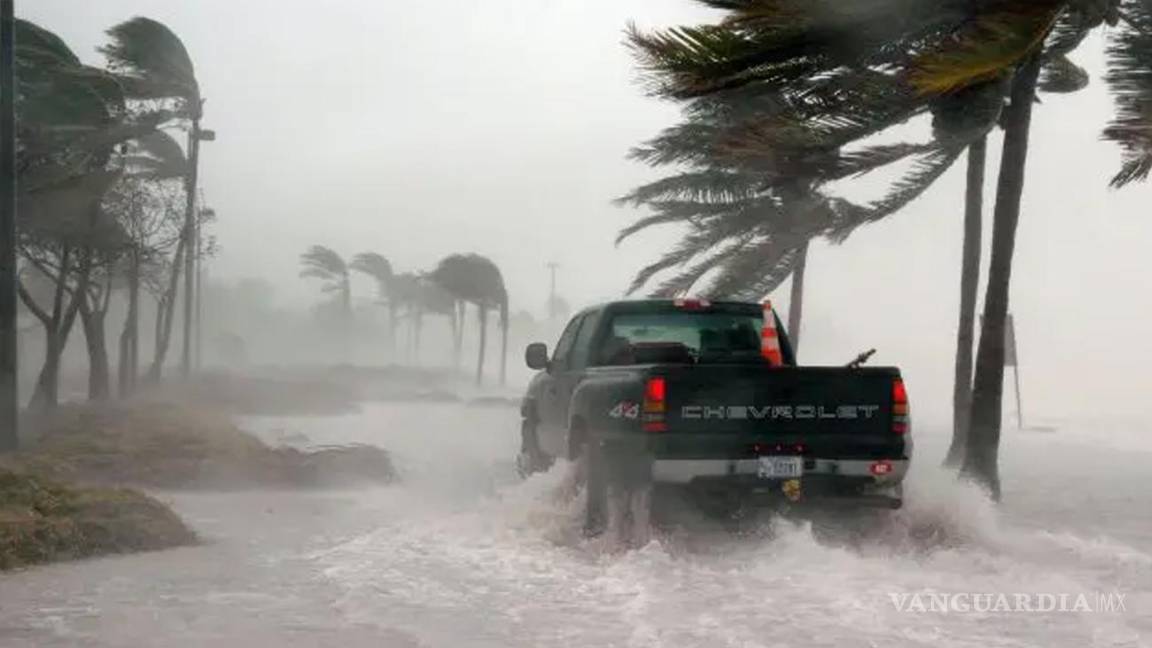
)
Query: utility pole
[
  {"x": 198, "y": 356},
  {"x": 192, "y": 231},
  {"x": 9, "y": 396},
  {"x": 552, "y": 267}
]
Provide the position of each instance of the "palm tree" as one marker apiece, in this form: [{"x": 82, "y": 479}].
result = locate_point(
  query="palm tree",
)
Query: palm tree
[
  {"x": 71, "y": 120},
  {"x": 323, "y": 263},
  {"x": 475, "y": 279},
  {"x": 432, "y": 298},
  {"x": 404, "y": 301},
  {"x": 935, "y": 52},
  {"x": 156, "y": 65},
  {"x": 377, "y": 267}
]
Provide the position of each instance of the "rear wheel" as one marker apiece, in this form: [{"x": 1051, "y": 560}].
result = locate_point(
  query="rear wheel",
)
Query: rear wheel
[
  {"x": 531, "y": 459},
  {"x": 595, "y": 486},
  {"x": 618, "y": 494}
]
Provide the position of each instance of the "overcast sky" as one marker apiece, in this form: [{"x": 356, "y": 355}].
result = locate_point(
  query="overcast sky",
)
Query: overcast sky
[{"x": 500, "y": 127}]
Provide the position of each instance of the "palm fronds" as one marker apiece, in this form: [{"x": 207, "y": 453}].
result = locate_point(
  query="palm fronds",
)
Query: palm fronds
[
  {"x": 156, "y": 156},
  {"x": 985, "y": 46},
  {"x": 374, "y": 265},
  {"x": 154, "y": 63},
  {"x": 1129, "y": 78},
  {"x": 323, "y": 263}
]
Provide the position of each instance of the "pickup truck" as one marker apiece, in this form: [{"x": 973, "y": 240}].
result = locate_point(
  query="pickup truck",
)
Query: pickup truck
[{"x": 658, "y": 393}]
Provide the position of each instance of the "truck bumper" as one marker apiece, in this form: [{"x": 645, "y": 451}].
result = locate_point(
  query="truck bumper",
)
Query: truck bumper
[
  {"x": 825, "y": 482},
  {"x": 683, "y": 471}
]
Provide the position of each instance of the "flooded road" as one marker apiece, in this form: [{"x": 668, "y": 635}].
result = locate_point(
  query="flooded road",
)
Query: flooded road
[{"x": 463, "y": 554}]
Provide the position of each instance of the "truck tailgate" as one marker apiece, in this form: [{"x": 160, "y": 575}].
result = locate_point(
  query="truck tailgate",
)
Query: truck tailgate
[{"x": 742, "y": 410}]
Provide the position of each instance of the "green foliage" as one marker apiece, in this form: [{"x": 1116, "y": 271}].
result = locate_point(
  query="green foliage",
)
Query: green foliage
[
  {"x": 374, "y": 265},
  {"x": 1130, "y": 81},
  {"x": 472, "y": 278},
  {"x": 324, "y": 263},
  {"x": 781, "y": 93},
  {"x": 156, "y": 156},
  {"x": 153, "y": 63}
]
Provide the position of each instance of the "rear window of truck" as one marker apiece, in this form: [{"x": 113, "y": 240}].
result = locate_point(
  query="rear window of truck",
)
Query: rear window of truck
[{"x": 671, "y": 337}]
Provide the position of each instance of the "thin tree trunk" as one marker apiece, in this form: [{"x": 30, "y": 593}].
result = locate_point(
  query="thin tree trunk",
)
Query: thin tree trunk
[
  {"x": 796, "y": 302},
  {"x": 190, "y": 233},
  {"x": 504, "y": 344},
  {"x": 417, "y": 330},
  {"x": 46, "y": 396},
  {"x": 122, "y": 351},
  {"x": 483, "y": 314},
  {"x": 393, "y": 323},
  {"x": 981, "y": 458},
  {"x": 166, "y": 315},
  {"x": 461, "y": 318},
  {"x": 130, "y": 336},
  {"x": 453, "y": 316},
  {"x": 99, "y": 376},
  {"x": 969, "y": 287}
]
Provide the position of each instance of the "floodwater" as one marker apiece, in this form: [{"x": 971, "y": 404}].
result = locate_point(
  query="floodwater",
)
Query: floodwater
[{"x": 463, "y": 554}]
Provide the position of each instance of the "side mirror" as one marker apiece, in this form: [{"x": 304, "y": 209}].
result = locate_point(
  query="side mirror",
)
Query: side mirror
[{"x": 536, "y": 355}]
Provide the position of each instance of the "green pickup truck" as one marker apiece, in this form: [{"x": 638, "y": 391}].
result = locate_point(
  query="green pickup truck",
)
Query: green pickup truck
[{"x": 706, "y": 397}]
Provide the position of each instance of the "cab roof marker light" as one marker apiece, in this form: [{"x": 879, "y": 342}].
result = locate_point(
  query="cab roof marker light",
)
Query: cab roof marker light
[{"x": 691, "y": 303}]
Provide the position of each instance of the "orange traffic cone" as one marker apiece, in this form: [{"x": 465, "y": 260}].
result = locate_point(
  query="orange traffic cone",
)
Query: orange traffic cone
[{"x": 770, "y": 338}]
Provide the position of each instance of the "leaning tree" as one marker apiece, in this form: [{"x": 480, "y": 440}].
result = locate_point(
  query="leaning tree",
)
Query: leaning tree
[
  {"x": 475, "y": 279},
  {"x": 819, "y": 55}
]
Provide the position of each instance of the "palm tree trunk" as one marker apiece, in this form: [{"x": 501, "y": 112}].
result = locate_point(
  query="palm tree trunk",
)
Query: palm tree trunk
[
  {"x": 796, "y": 302},
  {"x": 458, "y": 349},
  {"x": 417, "y": 329},
  {"x": 483, "y": 313},
  {"x": 190, "y": 234},
  {"x": 503, "y": 344},
  {"x": 455, "y": 321},
  {"x": 982, "y": 453},
  {"x": 393, "y": 323},
  {"x": 969, "y": 287}
]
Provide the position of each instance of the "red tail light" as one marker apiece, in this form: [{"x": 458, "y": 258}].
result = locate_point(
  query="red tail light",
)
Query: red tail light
[
  {"x": 655, "y": 393},
  {"x": 692, "y": 304},
  {"x": 899, "y": 407}
]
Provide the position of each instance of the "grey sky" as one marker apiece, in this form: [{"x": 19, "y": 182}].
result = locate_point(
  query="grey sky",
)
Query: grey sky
[{"x": 421, "y": 129}]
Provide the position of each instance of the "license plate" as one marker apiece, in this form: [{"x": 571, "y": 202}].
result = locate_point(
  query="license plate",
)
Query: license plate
[{"x": 781, "y": 467}]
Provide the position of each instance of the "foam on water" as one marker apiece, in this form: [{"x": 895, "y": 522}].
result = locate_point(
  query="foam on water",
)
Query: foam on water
[
  {"x": 514, "y": 570},
  {"x": 461, "y": 553}
]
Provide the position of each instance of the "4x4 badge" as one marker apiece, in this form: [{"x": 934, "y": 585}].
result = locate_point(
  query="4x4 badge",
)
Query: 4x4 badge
[{"x": 625, "y": 410}]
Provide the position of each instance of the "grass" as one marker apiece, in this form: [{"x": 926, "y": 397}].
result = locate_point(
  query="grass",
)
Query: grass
[
  {"x": 100, "y": 449},
  {"x": 167, "y": 445},
  {"x": 42, "y": 521}
]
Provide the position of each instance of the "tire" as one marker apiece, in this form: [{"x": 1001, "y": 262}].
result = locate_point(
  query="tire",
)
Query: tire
[
  {"x": 618, "y": 495},
  {"x": 531, "y": 459},
  {"x": 595, "y": 472}
]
